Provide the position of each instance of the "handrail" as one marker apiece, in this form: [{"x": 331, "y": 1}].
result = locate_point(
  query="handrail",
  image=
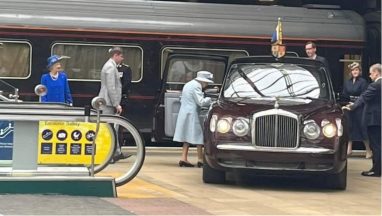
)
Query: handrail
[
  {"x": 14, "y": 96},
  {"x": 3, "y": 98},
  {"x": 29, "y": 112}
]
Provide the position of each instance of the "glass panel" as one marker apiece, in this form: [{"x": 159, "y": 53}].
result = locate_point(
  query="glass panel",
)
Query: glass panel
[
  {"x": 275, "y": 80},
  {"x": 182, "y": 70},
  {"x": 86, "y": 61},
  {"x": 14, "y": 59},
  {"x": 232, "y": 54}
]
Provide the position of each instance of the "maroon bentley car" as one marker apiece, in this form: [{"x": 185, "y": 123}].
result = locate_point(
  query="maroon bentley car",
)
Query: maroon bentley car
[{"x": 276, "y": 116}]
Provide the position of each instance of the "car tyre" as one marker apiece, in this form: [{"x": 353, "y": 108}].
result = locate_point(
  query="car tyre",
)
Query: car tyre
[
  {"x": 337, "y": 181},
  {"x": 211, "y": 175}
]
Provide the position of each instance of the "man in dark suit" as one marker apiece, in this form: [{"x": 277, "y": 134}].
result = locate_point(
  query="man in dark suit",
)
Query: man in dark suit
[
  {"x": 372, "y": 117},
  {"x": 125, "y": 75},
  {"x": 311, "y": 49}
]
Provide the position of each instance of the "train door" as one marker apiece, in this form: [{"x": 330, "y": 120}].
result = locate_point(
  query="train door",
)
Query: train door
[{"x": 179, "y": 69}]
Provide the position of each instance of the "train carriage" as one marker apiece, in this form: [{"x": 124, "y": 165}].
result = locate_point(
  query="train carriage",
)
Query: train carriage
[{"x": 153, "y": 33}]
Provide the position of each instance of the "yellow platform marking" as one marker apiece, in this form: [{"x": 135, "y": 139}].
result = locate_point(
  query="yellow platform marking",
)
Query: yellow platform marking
[{"x": 139, "y": 188}]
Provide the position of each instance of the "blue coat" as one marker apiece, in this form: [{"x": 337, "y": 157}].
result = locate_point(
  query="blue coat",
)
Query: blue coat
[
  {"x": 356, "y": 128},
  {"x": 188, "y": 126},
  {"x": 58, "y": 90}
]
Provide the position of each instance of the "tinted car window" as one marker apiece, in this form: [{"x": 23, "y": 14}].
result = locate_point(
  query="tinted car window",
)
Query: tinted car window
[{"x": 275, "y": 80}]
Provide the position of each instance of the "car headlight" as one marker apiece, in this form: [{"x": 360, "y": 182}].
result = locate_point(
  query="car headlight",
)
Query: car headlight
[
  {"x": 329, "y": 130},
  {"x": 240, "y": 127},
  {"x": 312, "y": 130},
  {"x": 224, "y": 125},
  {"x": 213, "y": 121}
]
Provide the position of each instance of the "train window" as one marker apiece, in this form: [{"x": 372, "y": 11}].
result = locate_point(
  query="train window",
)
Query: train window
[
  {"x": 189, "y": 65},
  {"x": 182, "y": 70},
  {"x": 15, "y": 59},
  {"x": 87, "y": 60}
]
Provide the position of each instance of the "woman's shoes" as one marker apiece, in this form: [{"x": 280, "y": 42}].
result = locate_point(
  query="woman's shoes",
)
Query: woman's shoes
[
  {"x": 199, "y": 164},
  {"x": 188, "y": 164},
  {"x": 185, "y": 164}
]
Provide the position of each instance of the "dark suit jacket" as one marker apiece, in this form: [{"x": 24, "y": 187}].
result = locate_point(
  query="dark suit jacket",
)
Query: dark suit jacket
[
  {"x": 323, "y": 60},
  {"x": 326, "y": 63},
  {"x": 125, "y": 74},
  {"x": 372, "y": 100}
]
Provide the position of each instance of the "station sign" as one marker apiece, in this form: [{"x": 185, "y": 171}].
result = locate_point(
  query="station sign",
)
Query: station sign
[
  {"x": 6, "y": 141},
  {"x": 70, "y": 143}
]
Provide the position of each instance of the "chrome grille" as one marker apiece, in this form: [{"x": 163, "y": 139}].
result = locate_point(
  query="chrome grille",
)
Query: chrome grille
[{"x": 275, "y": 128}]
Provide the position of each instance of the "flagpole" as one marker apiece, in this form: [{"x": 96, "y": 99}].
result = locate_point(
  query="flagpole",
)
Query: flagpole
[{"x": 280, "y": 33}]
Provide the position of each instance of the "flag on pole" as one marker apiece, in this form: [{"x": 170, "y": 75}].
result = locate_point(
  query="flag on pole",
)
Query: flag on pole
[
  {"x": 278, "y": 48},
  {"x": 277, "y": 36}
]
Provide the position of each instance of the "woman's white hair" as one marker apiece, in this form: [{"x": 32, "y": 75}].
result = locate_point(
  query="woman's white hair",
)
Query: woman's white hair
[{"x": 376, "y": 67}]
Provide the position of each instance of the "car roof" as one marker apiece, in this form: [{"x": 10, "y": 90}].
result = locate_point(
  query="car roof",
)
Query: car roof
[{"x": 271, "y": 59}]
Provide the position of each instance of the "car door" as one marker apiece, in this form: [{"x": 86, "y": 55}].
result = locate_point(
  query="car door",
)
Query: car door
[{"x": 179, "y": 69}]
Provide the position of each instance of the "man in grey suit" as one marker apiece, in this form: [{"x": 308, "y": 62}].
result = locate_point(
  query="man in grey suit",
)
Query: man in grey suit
[
  {"x": 111, "y": 91},
  {"x": 111, "y": 87}
]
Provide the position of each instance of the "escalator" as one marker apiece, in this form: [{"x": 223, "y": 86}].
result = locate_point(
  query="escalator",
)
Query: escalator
[{"x": 50, "y": 141}]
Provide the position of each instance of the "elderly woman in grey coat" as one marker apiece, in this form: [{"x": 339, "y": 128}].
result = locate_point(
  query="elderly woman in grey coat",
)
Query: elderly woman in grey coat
[{"x": 188, "y": 126}]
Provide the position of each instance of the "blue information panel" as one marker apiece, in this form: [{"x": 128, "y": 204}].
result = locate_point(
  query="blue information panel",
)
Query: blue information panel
[{"x": 6, "y": 140}]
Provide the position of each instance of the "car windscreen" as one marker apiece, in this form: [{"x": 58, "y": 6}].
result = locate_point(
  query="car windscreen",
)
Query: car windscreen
[{"x": 276, "y": 80}]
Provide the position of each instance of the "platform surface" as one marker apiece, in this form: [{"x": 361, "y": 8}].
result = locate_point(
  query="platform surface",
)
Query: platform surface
[{"x": 164, "y": 188}]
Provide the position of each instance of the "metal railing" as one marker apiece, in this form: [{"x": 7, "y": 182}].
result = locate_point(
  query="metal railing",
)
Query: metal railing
[{"x": 13, "y": 111}]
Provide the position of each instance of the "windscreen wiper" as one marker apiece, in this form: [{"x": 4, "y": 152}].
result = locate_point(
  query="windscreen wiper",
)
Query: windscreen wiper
[{"x": 249, "y": 81}]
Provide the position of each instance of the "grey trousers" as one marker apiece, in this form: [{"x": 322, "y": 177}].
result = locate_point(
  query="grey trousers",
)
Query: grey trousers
[{"x": 110, "y": 110}]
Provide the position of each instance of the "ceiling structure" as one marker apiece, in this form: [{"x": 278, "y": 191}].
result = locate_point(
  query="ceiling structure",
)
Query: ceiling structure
[{"x": 360, "y": 6}]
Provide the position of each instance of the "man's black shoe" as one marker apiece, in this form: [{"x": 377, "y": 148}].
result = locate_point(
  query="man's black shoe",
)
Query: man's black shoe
[
  {"x": 118, "y": 157},
  {"x": 121, "y": 156},
  {"x": 371, "y": 173},
  {"x": 112, "y": 161}
]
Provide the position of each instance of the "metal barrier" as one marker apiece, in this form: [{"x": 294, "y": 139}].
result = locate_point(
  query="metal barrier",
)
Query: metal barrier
[{"x": 27, "y": 116}]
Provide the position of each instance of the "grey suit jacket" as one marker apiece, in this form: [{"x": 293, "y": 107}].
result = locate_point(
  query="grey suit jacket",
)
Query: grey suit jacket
[{"x": 111, "y": 87}]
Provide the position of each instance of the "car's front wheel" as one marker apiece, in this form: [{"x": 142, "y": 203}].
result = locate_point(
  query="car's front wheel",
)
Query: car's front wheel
[{"x": 211, "y": 175}]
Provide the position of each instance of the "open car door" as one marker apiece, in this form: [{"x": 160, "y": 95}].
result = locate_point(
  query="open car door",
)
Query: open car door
[{"x": 179, "y": 69}]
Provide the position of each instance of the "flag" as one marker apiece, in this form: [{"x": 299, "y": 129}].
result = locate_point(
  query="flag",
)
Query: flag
[{"x": 277, "y": 36}]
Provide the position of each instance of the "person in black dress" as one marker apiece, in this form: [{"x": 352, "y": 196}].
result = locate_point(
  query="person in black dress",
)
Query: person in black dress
[{"x": 353, "y": 88}]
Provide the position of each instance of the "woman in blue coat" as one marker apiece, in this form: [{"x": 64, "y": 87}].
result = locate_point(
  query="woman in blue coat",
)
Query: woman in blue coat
[
  {"x": 56, "y": 82},
  {"x": 188, "y": 129},
  {"x": 353, "y": 88}
]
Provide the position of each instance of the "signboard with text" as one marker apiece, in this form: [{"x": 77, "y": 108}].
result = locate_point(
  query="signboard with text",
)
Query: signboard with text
[
  {"x": 6, "y": 140},
  {"x": 71, "y": 142}
]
